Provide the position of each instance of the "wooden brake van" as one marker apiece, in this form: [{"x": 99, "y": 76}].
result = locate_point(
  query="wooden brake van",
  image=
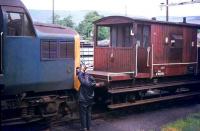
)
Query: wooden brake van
[{"x": 149, "y": 48}]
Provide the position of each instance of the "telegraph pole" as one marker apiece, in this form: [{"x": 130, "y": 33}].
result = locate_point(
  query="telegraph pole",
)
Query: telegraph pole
[
  {"x": 167, "y": 11},
  {"x": 53, "y": 13},
  {"x": 176, "y": 4},
  {"x": 125, "y": 10}
]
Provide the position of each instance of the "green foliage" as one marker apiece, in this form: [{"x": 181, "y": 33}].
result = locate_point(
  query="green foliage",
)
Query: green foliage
[
  {"x": 67, "y": 21},
  {"x": 56, "y": 18},
  {"x": 191, "y": 123},
  {"x": 85, "y": 28},
  {"x": 103, "y": 33}
]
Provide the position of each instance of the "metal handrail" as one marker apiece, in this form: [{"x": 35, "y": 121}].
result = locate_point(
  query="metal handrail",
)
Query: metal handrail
[
  {"x": 136, "y": 60},
  {"x": 148, "y": 55},
  {"x": 1, "y": 50},
  {"x": 197, "y": 64},
  {"x": 115, "y": 73}
]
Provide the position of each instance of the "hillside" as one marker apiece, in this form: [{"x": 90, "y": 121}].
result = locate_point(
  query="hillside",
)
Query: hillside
[{"x": 45, "y": 16}]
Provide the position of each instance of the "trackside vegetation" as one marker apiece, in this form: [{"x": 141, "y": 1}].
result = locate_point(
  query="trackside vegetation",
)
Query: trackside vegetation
[{"x": 190, "y": 123}]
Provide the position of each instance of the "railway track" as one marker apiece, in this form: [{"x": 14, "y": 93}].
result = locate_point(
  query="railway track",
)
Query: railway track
[
  {"x": 178, "y": 96},
  {"x": 124, "y": 111}
]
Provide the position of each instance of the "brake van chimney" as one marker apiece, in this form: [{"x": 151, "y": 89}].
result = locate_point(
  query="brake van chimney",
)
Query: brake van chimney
[{"x": 184, "y": 20}]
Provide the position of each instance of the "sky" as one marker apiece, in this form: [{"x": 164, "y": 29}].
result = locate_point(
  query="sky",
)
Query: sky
[{"x": 146, "y": 8}]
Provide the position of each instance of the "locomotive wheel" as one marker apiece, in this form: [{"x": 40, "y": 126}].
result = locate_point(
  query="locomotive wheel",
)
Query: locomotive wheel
[{"x": 51, "y": 108}]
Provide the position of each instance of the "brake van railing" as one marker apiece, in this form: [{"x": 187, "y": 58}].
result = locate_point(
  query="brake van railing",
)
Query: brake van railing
[{"x": 118, "y": 73}]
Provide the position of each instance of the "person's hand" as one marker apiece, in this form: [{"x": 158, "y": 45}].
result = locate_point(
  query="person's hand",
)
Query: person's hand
[
  {"x": 83, "y": 68},
  {"x": 77, "y": 70},
  {"x": 100, "y": 84}
]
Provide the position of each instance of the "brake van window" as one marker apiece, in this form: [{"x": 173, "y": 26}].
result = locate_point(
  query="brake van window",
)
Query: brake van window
[{"x": 18, "y": 25}]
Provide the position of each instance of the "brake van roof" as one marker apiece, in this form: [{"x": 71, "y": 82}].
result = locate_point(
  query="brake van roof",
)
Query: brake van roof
[{"x": 123, "y": 20}]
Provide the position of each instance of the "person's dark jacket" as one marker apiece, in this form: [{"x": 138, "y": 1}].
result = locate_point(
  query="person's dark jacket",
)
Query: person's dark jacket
[{"x": 86, "y": 92}]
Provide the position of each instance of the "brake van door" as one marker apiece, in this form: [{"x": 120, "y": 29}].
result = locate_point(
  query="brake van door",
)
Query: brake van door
[{"x": 143, "y": 51}]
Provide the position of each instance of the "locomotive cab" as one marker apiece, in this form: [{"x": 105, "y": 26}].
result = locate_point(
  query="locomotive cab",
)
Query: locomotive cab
[
  {"x": 38, "y": 64},
  {"x": 15, "y": 24},
  {"x": 32, "y": 52}
]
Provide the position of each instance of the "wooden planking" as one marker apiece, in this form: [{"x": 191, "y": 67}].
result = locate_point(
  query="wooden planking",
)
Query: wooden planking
[
  {"x": 161, "y": 49},
  {"x": 189, "y": 53},
  {"x": 101, "y": 59},
  {"x": 163, "y": 53},
  {"x": 114, "y": 59},
  {"x": 142, "y": 60}
]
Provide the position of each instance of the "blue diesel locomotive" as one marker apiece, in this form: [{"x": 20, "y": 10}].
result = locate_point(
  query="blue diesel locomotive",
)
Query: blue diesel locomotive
[{"x": 38, "y": 63}]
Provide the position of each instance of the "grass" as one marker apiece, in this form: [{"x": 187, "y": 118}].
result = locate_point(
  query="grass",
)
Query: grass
[{"x": 191, "y": 123}]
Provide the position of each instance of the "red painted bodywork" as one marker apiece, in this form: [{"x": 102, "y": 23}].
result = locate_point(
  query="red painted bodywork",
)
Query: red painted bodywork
[
  {"x": 177, "y": 56},
  {"x": 114, "y": 59}
]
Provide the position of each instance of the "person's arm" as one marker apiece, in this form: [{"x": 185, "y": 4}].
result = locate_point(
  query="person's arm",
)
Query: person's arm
[
  {"x": 100, "y": 84},
  {"x": 86, "y": 80},
  {"x": 82, "y": 79}
]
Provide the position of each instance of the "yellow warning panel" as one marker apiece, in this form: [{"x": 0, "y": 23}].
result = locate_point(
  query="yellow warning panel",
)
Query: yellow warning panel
[{"x": 76, "y": 61}]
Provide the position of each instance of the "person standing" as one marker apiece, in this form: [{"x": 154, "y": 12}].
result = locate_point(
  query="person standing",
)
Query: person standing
[{"x": 85, "y": 97}]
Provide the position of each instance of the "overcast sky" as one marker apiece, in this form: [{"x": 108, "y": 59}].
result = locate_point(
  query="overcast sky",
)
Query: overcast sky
[{"x": 146, "y": 8}]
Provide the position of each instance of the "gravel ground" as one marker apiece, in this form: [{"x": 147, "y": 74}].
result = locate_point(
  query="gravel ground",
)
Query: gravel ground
[{"x": 144, "y": 120}]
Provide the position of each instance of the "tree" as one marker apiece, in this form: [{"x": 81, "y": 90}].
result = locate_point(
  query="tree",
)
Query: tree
[
  {"x": 67, "y": 21},
  {"x": 56, "y": 18},
  {"x": 86, "y": 26},
  {"x": 103, "y": 33}
]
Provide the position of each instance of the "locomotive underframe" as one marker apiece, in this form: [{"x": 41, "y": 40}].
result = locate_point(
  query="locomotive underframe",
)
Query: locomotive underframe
[{"x": 26, "y": 108}]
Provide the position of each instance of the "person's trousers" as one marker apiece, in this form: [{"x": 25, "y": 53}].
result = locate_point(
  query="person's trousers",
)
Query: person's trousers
[{"x": 85, "y": 114}]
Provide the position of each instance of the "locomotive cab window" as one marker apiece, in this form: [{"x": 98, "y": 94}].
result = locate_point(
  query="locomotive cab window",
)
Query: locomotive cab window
[
  {"x": 18, "y": 25},
  {"x": 55, "y": 49}
]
